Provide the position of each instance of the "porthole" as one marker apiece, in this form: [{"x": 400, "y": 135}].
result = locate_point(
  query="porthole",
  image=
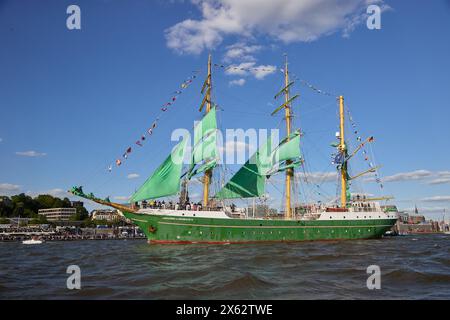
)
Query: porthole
[
  {"x": 344, "y": 217},
  {"x": 330, "y": 217},
  {"x": 194, "y": 214},
  {"x": 365, "y": 217}
]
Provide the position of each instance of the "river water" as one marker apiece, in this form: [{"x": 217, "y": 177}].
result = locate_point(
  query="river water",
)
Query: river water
[{"x": 412, "y": 267}]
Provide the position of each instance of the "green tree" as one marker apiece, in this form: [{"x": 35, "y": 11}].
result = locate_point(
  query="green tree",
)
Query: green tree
[{"x": 4, "y": 221}]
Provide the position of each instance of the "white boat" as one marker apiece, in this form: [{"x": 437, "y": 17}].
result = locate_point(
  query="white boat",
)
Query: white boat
[{"x": 32, "y": 241}]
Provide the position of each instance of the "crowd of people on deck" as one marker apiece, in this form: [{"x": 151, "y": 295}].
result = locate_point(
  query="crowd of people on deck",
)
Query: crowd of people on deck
[{"x": 188, "y": 205}]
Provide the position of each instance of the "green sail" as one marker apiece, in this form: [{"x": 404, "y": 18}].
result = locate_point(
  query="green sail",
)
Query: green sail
[
  {"x": 249, "y": 181},
  {"x": 206, "y": 149},
  {"x": 204, "y": 153},
  {"x": 287, "y": 149},
  {"x": 165, "y": 181},
  {"x": 202, "y": 168},
  {"x": 205, "y": 126}
]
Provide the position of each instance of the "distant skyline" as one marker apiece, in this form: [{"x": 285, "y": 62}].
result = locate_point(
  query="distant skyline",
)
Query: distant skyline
[{"x": 72, "y": 101}]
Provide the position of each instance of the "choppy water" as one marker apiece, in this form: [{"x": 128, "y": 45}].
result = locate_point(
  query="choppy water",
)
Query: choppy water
[{"x": 412, "y": 267}]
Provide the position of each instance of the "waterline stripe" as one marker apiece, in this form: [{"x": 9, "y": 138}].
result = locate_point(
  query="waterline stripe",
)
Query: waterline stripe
[{"x": 270, "y": 227}]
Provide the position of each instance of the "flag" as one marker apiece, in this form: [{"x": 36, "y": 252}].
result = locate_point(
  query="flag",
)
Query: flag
[
  {"x": 129, "y": 150},
  {"x": 118, "y": 162},
  {"x": 150, "y": 131},
  {"x": 371, "y": 139},
  {"x": 339, "y": 159},
  {"x": 139, "y": 143},
  {"x": 143, "y": 138},
  {"x": 110, "y": 168}
]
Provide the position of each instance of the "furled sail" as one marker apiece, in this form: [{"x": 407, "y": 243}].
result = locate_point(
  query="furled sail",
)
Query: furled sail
[
  {"x": 165, "y": 181},
  {"x": 249, "y": 181},
  {"x": 204, "y": 153}
]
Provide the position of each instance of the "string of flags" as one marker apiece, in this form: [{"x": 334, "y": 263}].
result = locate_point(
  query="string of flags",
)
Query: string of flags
[
  {"x": 265, "y": 69},
  {"x": 364, "y": 151},
  {"x": 234, "y": 67},
  {"x": 164, "y": 108}
]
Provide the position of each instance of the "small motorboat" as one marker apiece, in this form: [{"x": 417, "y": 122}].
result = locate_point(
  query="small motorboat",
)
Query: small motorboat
[{"x": 33, "y": 240}]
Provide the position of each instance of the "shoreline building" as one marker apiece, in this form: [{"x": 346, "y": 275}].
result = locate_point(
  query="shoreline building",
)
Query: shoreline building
[
  {"x": 57, "y": 214},
  {"x": 106, "y": 214}
]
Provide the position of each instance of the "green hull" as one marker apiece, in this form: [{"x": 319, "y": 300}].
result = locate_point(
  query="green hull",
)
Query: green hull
[{"x": 170, "y": 229}]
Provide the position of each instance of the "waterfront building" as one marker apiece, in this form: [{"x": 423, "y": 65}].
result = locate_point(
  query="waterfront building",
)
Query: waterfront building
[
  {"x": 105, "y": 214},
  {"x": 76, "y": 204},
  {"x": 416, "y": 219},
  {"x": 57, "y": 214}
]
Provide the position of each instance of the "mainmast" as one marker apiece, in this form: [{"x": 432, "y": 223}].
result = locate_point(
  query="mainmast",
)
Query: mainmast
[
  {"x": 290, "y": 171},
  {"x": 343, "y": 150},
  {"x": 208, "y": 173}
]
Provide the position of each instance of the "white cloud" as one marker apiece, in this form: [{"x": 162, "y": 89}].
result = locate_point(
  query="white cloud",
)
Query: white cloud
[
  {"x": 283, "y": 20},
  {"x": 56, "y": 192},
  {"x": 407, "y": 176},
  {"x": 9, "y": 189},
  {"x": 238, "y": 82},
  {"x": 318, "y": 177},
  {"x": 241, "y": 51},
  {"x": 439, "y": 181},
  {"x": 30, "y": 154},
  {"x": 132, "y": 176},
  {"x": 437, "y": 199}
]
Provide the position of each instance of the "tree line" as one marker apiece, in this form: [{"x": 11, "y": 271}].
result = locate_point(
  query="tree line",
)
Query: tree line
[{"x": 26, "y": 206}]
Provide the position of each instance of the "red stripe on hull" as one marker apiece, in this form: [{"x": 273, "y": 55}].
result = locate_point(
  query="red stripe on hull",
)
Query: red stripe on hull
[{"x": 246, "y": 242}]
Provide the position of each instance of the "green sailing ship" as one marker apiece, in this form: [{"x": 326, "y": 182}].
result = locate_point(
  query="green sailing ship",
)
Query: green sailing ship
[{"x": 217, "y": 223}]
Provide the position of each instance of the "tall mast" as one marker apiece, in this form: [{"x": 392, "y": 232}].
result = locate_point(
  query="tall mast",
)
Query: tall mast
[
  {"x": 208, "y": 173},
  {"x": 343, "y": 150},
  {"x": 290, "y": 171}
]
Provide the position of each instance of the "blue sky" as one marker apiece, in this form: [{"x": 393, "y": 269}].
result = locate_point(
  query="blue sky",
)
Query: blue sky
[{"x": 72, "y": 101}]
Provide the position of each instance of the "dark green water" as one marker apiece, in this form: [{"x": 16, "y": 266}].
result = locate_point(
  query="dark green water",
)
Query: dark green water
[{"x": 412, "y": 267}]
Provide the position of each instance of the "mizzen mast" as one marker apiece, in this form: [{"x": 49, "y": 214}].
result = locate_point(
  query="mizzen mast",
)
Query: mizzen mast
[{"x": 343, "y": 150}]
